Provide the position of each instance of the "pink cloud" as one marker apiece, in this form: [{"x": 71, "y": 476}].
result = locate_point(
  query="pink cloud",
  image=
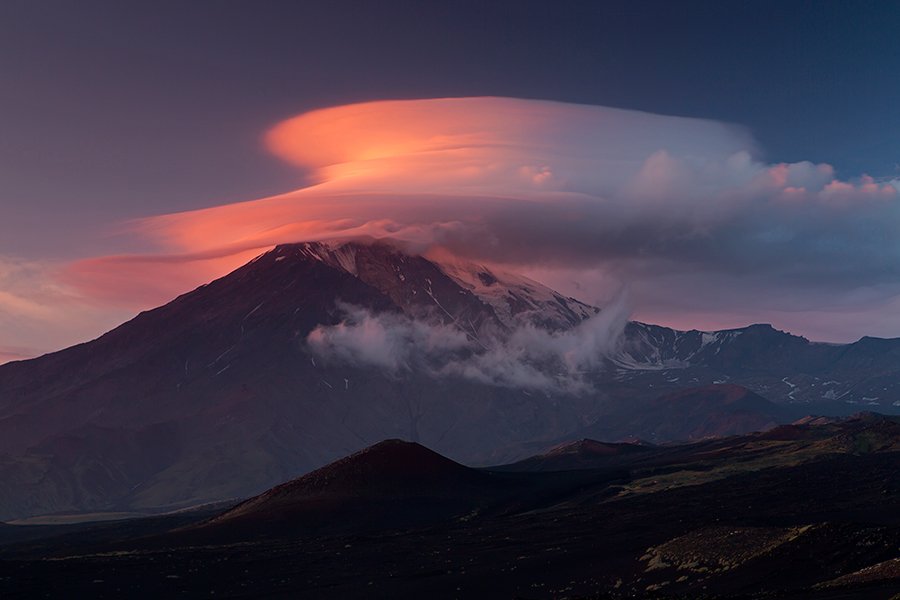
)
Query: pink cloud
[
  {"x": 543, "y": 185},
  {"x": 10, "y": 354},
  {"x": 140, "y": 281}
]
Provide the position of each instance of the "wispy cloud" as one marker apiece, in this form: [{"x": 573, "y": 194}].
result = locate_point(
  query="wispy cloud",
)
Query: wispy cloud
[
  {"x": 37, "y": 308},
  {"x": 529, "y": 357}
]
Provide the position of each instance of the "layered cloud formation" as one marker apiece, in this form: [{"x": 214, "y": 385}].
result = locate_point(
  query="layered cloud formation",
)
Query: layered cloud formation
[{"x": 683, "y": 212}]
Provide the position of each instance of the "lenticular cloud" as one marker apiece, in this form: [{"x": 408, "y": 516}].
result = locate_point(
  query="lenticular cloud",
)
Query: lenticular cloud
[
  {"x": 436, "y": 170},
  {"x": 684, "y": 212}
]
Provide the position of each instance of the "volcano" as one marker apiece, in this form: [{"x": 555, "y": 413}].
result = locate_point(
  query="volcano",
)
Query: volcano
[
  {"x": 218, "y": 394},
  {"x": 315, "y": 350}
]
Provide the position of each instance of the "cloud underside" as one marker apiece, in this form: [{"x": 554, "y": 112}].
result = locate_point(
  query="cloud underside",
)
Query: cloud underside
[{"x": 682, "y": 212}]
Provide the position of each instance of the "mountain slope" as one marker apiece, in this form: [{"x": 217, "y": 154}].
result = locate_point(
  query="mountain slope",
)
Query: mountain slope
[
  {"x": 220, "y": 393},
  {"x": 693, "y": 413},
  {"x": 227, "y": 373}
]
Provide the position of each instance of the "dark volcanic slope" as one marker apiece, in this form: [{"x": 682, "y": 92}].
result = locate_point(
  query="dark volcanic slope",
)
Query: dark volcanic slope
[
  {"x": 391, "y": 484},
  {"x": 715, "y": 410},
  {"x": 804, "y": 511},
  {"x": 692, "y": 413},
  {"x": 212, "y": 371},
  {"x": 583, "y": 454}
]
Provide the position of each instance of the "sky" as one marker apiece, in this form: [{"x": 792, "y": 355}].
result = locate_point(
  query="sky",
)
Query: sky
[{"x": 760, "y": 188}]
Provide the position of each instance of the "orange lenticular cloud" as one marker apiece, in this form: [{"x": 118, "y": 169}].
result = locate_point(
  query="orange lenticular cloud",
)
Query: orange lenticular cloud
[
  {"x": 537, "y": 184},
  {"x": 485, "y": 142},
  {"x": 427, "y": 161}
]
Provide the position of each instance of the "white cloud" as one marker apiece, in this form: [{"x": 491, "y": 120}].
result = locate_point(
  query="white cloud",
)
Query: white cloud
[
  {"x": 387, "y": 341},
  {"x": 529, "y": 358}
]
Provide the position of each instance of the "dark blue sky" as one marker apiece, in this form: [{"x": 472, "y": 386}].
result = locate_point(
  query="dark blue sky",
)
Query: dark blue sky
[{"x": 111, "y": 110}]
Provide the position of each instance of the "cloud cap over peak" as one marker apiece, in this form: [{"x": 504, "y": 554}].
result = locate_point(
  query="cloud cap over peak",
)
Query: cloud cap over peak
[{"x": 683, "y": 212}]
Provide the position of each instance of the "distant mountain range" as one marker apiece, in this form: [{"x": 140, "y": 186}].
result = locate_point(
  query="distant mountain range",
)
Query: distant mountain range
[{"x": 315, "y": 350}]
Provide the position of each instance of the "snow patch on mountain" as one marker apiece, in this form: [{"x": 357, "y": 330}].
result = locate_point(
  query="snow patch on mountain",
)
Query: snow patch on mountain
[
  {"x": 653, "y": 348},
  {"x": 341, "y": 255},
  {"x": 516, "y": 299}
]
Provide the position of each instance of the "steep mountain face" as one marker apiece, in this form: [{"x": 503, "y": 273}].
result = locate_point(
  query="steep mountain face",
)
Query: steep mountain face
[
  {"x": 223, "y": 379},
  {"x": 221, "y": 393}
]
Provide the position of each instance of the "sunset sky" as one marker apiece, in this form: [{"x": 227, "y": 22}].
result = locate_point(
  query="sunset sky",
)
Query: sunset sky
[{"x": 720, "y": 163}]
